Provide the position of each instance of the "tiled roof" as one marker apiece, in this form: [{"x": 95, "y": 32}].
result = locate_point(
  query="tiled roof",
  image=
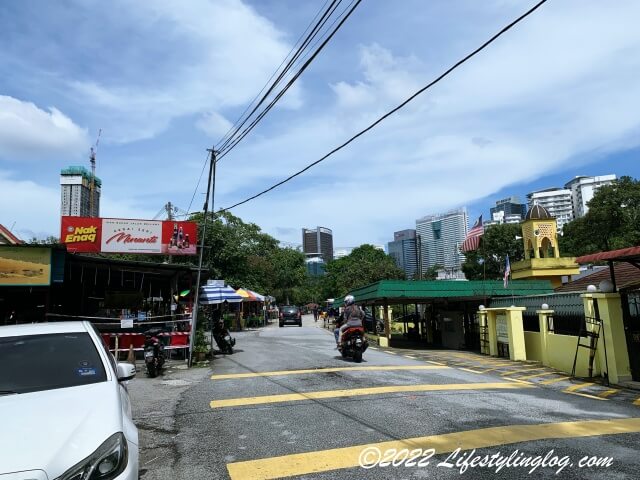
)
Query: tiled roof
[
  {"x": 626, "y": 274},
  {"x": 10, "y": 237}
]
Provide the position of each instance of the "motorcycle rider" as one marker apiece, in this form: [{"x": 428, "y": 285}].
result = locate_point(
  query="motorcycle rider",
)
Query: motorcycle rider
[{"x": 352, "y": 316}]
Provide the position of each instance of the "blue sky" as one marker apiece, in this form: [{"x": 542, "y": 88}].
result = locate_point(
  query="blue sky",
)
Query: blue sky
[{"x": 556, "y": 97}]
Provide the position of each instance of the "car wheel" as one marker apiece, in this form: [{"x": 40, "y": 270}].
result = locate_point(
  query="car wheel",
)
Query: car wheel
[
  {"x": 300, "y": 324},
  {"x": 281, "y": 325}
]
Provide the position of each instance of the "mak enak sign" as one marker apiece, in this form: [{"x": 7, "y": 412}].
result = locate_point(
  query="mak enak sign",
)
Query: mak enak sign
[{"x": 120, "y": 235}]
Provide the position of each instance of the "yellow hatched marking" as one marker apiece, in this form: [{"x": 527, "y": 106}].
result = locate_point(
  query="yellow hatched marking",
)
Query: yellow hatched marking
[
  {"x": 519, "y": 381},
  {"x": 586, "y": 395},
  {"x": 637, "y": 401},
  {"x": 578, "y": 386},
  {"x": 469, "y": 370},
  {"x": 536, "y": 375},
  {"x": 325, "y": 370},
  {"x": 515, "y": 372},
  {"x": 356, "y": 392},
  {"x": 607, "y": 393},
  {"x": 435, "y": 363},
  {"x": 389, "y": 351},
  {"x": 349, "y": 457},
  {"x": 554, "y": 380}
]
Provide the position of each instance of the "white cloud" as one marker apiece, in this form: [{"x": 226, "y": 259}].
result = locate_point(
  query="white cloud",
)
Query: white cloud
[
  {"x": 28, "y": 130},
  {"x": 560, "y": 88},
  {"x": 214, "y": 125},
  {"x": 229, "y": 53}
]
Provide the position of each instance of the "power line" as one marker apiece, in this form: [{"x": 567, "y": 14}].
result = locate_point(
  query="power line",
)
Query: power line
[
  {"x": 317, "y": 28},
  {"x": 199, "y": 180},
  {"x": 394, "y": 110},
  {"x": 272, "y": 75},
  {"x": 229, "y": 147}
]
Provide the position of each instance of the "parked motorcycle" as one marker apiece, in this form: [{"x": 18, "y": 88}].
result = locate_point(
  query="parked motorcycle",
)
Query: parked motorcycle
[
  {"x": 223, "y": 338},
  {"x": 154, "y": 357},
  {"x": 353, "y": 343}
]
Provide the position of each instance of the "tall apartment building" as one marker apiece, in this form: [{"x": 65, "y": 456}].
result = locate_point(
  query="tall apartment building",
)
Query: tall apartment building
[
  {"x": 403, "y": 249},
  {"x": 75, "y": 183},
  {"x": 318, "y": 242},
  {"x": 583, "y": 189},
  {"x": 557, "y": 201},
  {"x": 439, "y": 238}
]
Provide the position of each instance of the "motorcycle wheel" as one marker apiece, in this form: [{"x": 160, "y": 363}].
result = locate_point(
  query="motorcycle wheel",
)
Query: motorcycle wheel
[
  {"x": 151, "y": 370},
  {"x": 344, "y": 353},
  {"x": 229, "y": 350},
  {"x": 357, "y": 356}
]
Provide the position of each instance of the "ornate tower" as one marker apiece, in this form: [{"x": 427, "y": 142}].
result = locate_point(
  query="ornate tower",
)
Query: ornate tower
[{"x": 542, "y": 259}]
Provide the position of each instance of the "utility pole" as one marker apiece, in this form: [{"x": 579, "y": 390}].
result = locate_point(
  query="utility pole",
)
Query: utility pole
[
  {"x": 169, "y": 209},
  {"x": 211, "y": 189}
]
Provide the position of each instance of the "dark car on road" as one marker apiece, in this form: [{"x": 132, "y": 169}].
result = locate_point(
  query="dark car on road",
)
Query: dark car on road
[
  {"x": 372, "y": 324},
  {"x": 290, "y": 314}
]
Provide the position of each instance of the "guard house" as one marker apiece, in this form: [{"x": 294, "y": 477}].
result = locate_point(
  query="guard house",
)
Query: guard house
[{"x": 542, "y": 259}]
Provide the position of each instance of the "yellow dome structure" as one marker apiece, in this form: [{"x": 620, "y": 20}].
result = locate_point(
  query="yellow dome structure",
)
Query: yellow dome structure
[{"x": 542, "y": 259}]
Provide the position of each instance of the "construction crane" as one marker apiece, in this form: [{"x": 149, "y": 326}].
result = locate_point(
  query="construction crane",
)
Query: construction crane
[{"x": 92, "y": 159}]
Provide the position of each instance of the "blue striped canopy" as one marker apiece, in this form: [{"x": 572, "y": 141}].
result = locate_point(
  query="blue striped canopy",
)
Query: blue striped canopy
[{"x": 212, "y": 295}]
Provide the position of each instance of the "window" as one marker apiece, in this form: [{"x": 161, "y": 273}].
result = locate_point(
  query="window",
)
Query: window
[{"x": 33, "y": 363}]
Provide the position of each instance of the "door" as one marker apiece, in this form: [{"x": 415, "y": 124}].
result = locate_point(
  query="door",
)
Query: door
[{"x": 631, "y": 316}]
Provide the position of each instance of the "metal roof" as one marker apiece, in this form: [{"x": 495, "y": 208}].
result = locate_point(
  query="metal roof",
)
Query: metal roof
[
  {"x": 622, "y": 255},
  {"x": 410, "y": 291}
]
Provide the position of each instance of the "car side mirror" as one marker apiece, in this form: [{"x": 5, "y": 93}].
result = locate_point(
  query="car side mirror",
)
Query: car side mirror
[{"x": 126, "y": 371}]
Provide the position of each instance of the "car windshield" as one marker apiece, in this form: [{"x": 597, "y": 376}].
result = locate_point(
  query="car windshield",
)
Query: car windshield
[
  {"x": 44, "y": 362},
  {"x": 290, "y": 309}
]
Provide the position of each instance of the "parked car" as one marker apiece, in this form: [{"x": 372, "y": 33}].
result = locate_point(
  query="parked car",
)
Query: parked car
[
  {"x": 372, "y": 324},
  {"x": 290, "y": 314},
  {"x": 65, "y": 408}
]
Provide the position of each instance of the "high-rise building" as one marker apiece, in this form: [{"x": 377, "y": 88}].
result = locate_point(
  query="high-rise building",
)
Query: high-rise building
[
  {"x": 557, "y": 201},
  {"x": 439, "y": 238},
  {"x": 341, "y": 252},
  {"x": 75, "y": 199},
  {"x": 318, "y": 242},
  {"x": 403, "y": 250},
  {"x": 583, "y": 189},
  {"x": 510, "y": 207}
]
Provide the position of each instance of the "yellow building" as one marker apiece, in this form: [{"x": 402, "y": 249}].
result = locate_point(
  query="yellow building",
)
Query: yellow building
[{"x": 542, "y": 259}]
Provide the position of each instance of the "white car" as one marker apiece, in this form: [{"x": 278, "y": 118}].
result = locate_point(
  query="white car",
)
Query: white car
[{"x": 64, "y": 409}]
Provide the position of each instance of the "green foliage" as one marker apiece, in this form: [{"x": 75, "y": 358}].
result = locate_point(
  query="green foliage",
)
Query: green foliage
[
  {"x": 612, "y": 222},
  {"x": 200, "y": 344},
  {"x": 488, "y": 261},
  {"x": 366, "y": 264}
]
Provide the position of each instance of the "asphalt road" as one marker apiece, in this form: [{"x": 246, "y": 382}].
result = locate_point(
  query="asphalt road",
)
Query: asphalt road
[{"x": 241, "y": 425}]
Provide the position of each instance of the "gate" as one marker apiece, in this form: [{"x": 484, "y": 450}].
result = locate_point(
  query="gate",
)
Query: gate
[{"x": 631, "y": 316}]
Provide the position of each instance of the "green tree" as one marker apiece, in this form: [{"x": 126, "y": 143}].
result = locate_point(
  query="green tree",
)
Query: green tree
[
  {"x": 366, "y": 264},
  {"x": 489, "y": 260},
  {"x": 612, "y": 222},
  {"x": 288, "y": 273}
]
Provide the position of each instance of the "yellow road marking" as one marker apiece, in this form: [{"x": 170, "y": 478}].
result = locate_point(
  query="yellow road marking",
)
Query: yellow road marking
[
  {"x": 585, "y": 395},
  {"x": 497, "y": 367},
  {"x": 637, "y": 401},
  {"x": 514, "y": 372},
  {"x": 349, "y": 457},
  {"x": 325, "y": 370},
  {"x": 573, "y": 388},
  {"x": 410, "y": 356},
  {"x": 536, "y": 375},
  {"x": 356, "y": 392},
  {"x": 519, "y": 380},
  {"x": 469, "y": 370},
  {"x": 554, "y": 380},
  {"x": 435, "y": 363},
  {"x": 607, "y": 393},
  {"x": 389, "y": 351}
]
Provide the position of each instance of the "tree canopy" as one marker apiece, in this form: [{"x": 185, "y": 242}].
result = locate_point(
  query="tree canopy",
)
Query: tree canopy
[
  {"x": 488, "y": 262},
  {"x": 612, "y": 222}
]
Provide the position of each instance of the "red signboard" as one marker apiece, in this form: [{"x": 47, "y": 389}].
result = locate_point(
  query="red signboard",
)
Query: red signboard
[
  {"x": 81, "y": 234},
  {"x": 118, "y": 235}
]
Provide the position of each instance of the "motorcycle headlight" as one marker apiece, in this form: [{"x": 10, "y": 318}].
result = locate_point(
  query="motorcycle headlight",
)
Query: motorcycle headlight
[
  {"x": 107, "y": 462},
  {"x": 227, "y": 338}
]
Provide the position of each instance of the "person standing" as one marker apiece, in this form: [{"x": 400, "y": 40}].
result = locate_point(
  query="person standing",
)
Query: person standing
[{"x": 315, "y": 313}]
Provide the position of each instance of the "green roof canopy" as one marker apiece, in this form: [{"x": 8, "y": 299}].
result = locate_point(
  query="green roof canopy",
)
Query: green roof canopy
[{"x": 412, "y": 291}]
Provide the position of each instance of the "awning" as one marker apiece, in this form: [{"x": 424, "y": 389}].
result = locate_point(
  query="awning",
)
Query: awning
[
  {"x": 249, "y": 295},
  {"x": 623, "y": 255},
  {"x": 212, "y": 295}
]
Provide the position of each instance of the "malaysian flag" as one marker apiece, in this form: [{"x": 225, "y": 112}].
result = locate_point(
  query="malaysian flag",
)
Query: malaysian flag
[
  {"x": 507, "y": 272},
  {"x": 472, "y": 242}
]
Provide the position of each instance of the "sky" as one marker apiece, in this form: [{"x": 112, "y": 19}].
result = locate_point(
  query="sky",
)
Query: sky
[{"x": 557, "y": 96}]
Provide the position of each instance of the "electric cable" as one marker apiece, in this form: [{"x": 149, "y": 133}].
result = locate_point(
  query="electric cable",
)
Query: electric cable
[{"x": 394, "y": 110}]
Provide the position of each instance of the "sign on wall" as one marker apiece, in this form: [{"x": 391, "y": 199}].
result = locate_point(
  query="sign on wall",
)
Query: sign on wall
[
  {"x": 119, "y": 235},
  {"x": 25, "y": 266}
]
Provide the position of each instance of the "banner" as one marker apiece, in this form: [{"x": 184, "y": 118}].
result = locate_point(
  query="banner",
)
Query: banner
[
  {"x": 25, "y": 266},
  {"x": 119, "y": 235}
]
